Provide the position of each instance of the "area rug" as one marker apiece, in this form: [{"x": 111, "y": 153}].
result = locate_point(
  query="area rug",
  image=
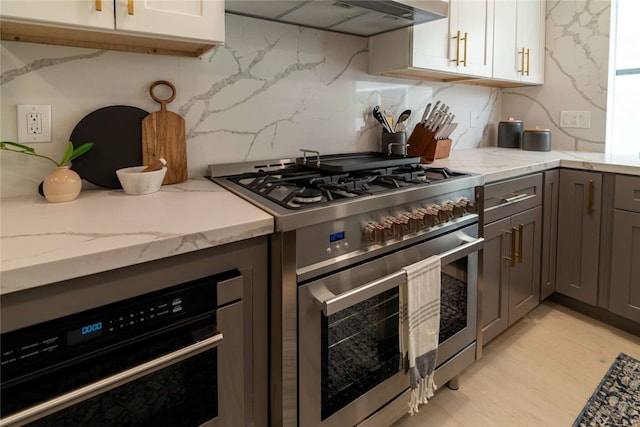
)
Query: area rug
[{"x": 616, "y": 401}]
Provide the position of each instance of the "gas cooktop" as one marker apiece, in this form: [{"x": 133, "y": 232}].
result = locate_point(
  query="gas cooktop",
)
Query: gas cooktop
[
  {"x": 302, "y": 187},
  {"x": 307, "y": 190}
]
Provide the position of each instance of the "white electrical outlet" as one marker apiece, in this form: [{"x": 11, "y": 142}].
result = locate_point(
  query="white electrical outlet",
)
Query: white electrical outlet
[
  {"x": 34, "y": 123},
  {"x": 575, "y": 119}
]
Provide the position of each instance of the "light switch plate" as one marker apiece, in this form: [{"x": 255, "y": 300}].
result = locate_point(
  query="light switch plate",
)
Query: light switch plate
[
  {"x": 34, "y": 123},
  {"x": 575, "y": 119}
]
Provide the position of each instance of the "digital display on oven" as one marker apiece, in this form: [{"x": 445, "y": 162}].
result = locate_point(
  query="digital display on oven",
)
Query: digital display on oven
[
  {"x": 87, "y": 332},
  {"x": 336, "y": 236}
]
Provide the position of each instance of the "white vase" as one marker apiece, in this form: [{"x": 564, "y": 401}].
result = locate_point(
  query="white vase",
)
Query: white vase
[{"x": 62, "y": 185}]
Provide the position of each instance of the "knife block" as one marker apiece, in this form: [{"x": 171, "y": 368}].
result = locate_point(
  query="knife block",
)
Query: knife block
[{"x": 422, "y": 143}]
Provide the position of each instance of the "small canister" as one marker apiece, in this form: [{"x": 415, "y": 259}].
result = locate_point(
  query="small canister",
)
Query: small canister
[
  {"x": 536, "y": 139},
  {"x": 510, "y": 133},
  {"x": 394, "y": 143}
]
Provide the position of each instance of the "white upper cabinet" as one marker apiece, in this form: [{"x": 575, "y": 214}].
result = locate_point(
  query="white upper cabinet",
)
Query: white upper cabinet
[
  {"x": 518, "y": 51},
  {"x": 173, "y": 27},
  {"x": 444, "y": 49},
  {"x": 194, "y": 19},
  {"x": 84, "y": 13}
]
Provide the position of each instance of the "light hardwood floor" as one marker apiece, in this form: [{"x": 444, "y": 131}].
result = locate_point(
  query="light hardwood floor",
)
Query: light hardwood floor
[{"x": 540, "y": 372}]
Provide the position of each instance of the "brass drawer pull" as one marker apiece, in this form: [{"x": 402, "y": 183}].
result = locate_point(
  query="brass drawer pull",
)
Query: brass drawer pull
[
  {"x": 528, "y": 57},
  {"x": 590, "y": 202},
  {"x": 520, "y": 232},
  {"x": 99, "y": 5},
  {"x": 514, "y": 198},
  {"x": 466, "y": 40},
  {"x": 512, "y": 258},
  {"x": 457, "y": 60},
  {"x": 522, "y": 69},
  {"x": 130, "y": 6}
]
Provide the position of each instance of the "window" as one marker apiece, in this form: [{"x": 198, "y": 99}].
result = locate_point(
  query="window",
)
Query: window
[{"x": 623, "y": 115}]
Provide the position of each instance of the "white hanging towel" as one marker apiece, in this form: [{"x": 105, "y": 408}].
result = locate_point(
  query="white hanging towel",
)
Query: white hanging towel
[{"x": 419, "y": 327}]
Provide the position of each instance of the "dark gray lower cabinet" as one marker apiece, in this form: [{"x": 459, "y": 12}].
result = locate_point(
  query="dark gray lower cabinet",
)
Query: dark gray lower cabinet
[
  {"x": 624, "y": 291},
  {"x": 511, "y": 270},
  {"x": 578, "y": 247},
  {"x": 549, "y": 233}
]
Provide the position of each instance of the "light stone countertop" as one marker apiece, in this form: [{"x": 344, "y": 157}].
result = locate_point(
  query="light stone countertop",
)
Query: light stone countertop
[
  {"x": 43, "y": 243},
  {"x": 503, "y": 163}
]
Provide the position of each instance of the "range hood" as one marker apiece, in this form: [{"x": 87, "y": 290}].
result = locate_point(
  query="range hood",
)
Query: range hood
[{"x": 356, "y": 17}]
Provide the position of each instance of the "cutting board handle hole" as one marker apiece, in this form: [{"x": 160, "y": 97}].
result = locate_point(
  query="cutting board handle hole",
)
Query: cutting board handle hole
[{"x": 163, "y": 102}]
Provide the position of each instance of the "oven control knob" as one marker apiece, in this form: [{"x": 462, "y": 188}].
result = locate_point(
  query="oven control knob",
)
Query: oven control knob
[
  {"x": 372, "y": 231},
  {"x": 433, "y": 215},
  {"x": 412, "y": 222},
  {"x": 446, "y": 211}
]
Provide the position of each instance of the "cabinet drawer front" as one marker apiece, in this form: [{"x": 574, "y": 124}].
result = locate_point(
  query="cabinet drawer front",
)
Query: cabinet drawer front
[
  {"x": 627, "y": 194},
  {"x": 506, "y": 198}
]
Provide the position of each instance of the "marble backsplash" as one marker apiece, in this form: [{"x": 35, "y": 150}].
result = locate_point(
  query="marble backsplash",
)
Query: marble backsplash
[{"x": 269, "y": 91}]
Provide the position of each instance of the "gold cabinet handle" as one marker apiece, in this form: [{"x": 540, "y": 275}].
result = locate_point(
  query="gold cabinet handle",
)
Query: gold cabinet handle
[
  {"x": 521, "y": 70},
  {"x": 130, "y": 6},
  {"x": 520, "y": 232},
  {"x": 512, "y": 258},
  {"x": 457, "y": 60},
  {"x": 466, "y": 40},
  {"x": 590, "y": 202},
  {"x": 99, "y": 5},
  {"x": 528, "y": 57}
]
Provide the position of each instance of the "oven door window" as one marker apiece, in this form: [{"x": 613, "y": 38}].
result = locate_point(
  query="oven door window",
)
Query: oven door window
[
  {"x": 360, "y": 349},
  {"x": 453, "y": 299}
]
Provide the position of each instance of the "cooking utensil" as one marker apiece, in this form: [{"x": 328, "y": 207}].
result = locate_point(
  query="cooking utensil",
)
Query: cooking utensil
[
  {"x": 163, "y": 135},
  {"x": 116, "y": 135},
  {"x": 377, "y": 114},
  {"x": 401, "y": 119}
]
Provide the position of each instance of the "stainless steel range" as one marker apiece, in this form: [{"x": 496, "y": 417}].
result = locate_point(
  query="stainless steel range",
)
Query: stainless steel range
[{"x": 346, "y": 225}]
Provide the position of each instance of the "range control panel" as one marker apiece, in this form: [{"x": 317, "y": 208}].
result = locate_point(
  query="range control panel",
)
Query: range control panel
[{"x": 372, "y": 230}]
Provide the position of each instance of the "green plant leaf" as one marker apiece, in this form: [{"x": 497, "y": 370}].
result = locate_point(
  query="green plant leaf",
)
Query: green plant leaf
[
  {"x": 3, "y": 144},
  {"x": 80, "y": 150},
  {"x": 67, "y": 154}
]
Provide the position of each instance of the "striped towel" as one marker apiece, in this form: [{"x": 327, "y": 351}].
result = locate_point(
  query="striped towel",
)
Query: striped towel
[{"x": 419, "y": 327}]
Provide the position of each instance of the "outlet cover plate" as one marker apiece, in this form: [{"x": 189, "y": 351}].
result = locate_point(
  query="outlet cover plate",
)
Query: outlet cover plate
[{"x": 23, "y": 123}]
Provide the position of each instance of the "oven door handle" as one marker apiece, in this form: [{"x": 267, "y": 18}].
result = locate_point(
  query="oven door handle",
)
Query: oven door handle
[
  {"x": 461, "y": 251},
  {"x": 84, "y": 393},
  {"x": 332, "y": 304}
]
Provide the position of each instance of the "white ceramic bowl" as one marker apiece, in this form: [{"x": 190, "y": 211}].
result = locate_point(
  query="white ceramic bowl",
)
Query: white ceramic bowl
[{"x": 134, "y": 181}]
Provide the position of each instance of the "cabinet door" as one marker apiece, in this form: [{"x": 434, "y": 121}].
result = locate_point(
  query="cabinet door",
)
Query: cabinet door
[
  {"x": 83, "y": 13},
  {"x": 436, "y": 46},
  {"x": 518, "y": 46},
  {"x": 475, "y": 23},
  {"x": 524, "y": 279},
  {"x": 624, "y": 297},
  {"x": 579, "y": 235},
  {"x": 195, "y": 19},
  {"x": 505, "y": 43},
  {"x": 549, "y": 234},
  {"x": 531, "y": 35},
  {"x": 495, "y": 278}
]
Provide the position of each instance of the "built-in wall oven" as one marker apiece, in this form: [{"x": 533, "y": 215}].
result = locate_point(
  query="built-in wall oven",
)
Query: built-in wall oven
[
  {"x": 346, "y": 226},
  {"x": 177, "y": 355}
]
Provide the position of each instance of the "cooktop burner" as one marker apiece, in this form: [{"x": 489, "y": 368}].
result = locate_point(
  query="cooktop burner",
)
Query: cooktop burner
[{"x": 300, "y": 186}]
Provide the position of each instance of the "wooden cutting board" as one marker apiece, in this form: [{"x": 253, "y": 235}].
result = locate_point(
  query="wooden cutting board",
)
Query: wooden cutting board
[{"x": 163, "y": 135}]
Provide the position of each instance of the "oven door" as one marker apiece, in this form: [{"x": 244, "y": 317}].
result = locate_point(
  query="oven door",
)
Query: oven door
[
  {"x": 173, "y": 378},
  {"x": 349, "y": 357}
]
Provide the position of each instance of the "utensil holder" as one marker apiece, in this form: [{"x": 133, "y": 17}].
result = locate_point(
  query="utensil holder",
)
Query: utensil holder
[{"x": 423, "y": 143}]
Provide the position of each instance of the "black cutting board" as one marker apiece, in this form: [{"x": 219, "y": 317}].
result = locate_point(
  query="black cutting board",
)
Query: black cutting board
[
  {"x": 357, "y": 161},
  {"x": 116, "y": 133}
]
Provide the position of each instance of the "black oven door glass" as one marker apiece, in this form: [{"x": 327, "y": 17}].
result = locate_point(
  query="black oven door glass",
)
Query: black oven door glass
[
  {"x": 453, "y": 299},
  {"x": 181, "y": 394},
  {"x": 360, "y": 349}
]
